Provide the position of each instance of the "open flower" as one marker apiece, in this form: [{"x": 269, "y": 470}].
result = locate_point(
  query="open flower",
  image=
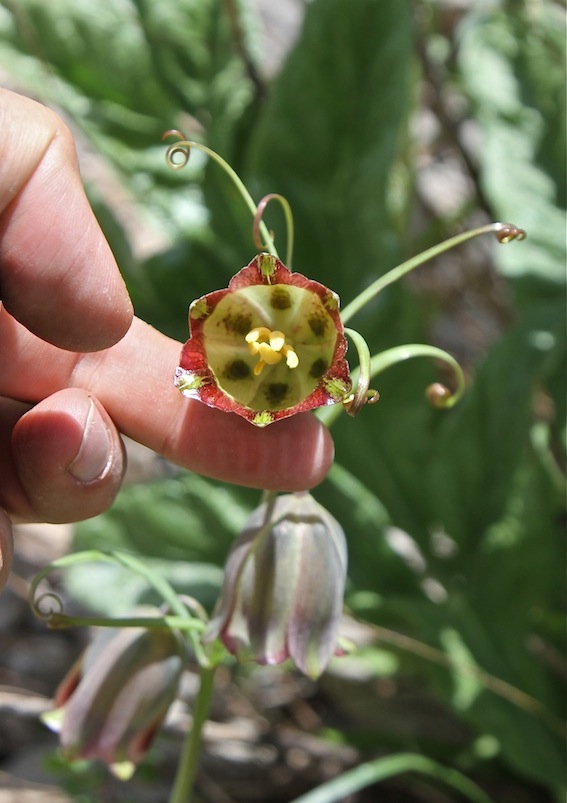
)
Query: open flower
[
  {"x": 270, "y": 345},
  {"x": 114, "y": 699},
  {"x": 284, "y": 579}
]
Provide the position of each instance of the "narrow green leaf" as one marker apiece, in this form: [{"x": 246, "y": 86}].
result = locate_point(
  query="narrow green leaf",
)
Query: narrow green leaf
[{"x": 375, "y": 771}]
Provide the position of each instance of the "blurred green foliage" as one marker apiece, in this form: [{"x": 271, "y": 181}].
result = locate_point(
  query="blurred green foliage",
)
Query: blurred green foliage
[{"x": 454, "y": 519}]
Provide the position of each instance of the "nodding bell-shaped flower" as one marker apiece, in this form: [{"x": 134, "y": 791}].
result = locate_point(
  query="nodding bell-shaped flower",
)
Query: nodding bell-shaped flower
[
  {"x": 114, "y": 699},
  {"x": 284, "y": 580},
  {"x": 270, "y": 345}
]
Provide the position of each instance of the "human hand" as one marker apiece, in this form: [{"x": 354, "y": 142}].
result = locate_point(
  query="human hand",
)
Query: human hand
[{"x": 76, "y": 369}]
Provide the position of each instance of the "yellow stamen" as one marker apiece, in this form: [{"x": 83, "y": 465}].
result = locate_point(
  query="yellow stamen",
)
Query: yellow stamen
[
  {"x": 277, "y": 340},
  {"x": 268, "y": 354},
  {"x": 271, "y": 348},
  {"x": 291, "y": 357},
  {"x": 255, "y": 334}
]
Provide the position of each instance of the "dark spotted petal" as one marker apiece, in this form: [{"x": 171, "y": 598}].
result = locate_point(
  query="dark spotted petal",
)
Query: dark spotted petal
[{"x": 222, "y": 366}]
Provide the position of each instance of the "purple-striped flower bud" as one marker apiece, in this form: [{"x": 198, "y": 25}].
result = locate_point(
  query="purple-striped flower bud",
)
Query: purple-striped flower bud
[
  {"x": 282, "y": 595},
  {"x": 114, "y": 699}
]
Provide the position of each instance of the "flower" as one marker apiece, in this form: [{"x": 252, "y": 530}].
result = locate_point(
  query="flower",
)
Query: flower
[
  {"x": 270, "y": 345},
  {"x": 284, "y": 579},
  {"x": 114, "y": 699}
]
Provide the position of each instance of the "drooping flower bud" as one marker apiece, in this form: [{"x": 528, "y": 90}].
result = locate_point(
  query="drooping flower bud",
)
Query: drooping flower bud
[
  {"x": 114, "y": 699},
  {"x": 282, "y": 595}
]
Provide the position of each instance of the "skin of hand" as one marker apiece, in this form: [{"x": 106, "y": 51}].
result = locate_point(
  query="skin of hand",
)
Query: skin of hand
[{"x": 77, "y": 368}]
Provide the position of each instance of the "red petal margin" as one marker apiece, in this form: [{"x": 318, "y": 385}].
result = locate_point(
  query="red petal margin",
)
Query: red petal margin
[{"x": 267, "y": 270}]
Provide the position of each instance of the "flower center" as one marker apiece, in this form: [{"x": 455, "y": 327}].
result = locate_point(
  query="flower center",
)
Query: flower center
[{"x": 270, "y": 347}]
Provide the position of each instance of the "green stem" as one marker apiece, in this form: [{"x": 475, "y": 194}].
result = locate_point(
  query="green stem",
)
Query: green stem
[
  {"x": 268, "y": 496},
  {"x": 189, "y": 759},
  {"x": 284, "y": 203},
  {"x": 183, "y": 148},
  {"x": 58, "y": 620},
  {"x": 168, "y": 594},
  {"x": 504, "y": 232},
  {"x": 363, "y": 373},
  {"x": 159, "y": 583}
]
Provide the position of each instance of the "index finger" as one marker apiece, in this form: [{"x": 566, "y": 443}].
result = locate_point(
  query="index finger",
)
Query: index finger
[
  {"x": 58, "y": 276},
  {"x": 134, "y": 382}
]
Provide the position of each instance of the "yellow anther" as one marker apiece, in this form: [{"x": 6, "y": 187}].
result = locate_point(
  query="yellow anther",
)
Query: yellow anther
[
  {"x": 291, "y": 357},
  {"x": 255, "y": 334},
  {"x": 268, "y": 354},
  {"x": 277, "y": 340},
  {"x": 271, "y": 348}
]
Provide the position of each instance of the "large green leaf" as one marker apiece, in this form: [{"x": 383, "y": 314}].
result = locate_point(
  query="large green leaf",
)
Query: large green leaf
[
  {"x": 512, "y": 62},
  {"x": 480, "y": 444},
  {"x": 124, "y": 72},
  {"x": 327, "y": 138},
  {"x": 132, "y": 66}
]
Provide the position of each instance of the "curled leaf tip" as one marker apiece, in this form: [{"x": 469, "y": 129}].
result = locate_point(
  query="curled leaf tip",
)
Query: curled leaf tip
[
  {"x": 506, "y": 232},
  {"x": 178, "y": 153},
  {"x": 47, "y": 606},
  {"x": 439, "y": 395},
  {"x": 174, "y": 132},
  {"x": 354, "y": 405}
]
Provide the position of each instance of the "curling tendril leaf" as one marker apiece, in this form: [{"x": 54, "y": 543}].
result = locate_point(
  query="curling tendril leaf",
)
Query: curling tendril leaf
[
  {"x": 505, "y": 233},
  {"x": 183, "y": 148},
  {"x": 354, "y": 403},
  {"x": 44, "y": 612},
  {"x": 508, "y": 232},
  {"x": 284, "y": 203}
]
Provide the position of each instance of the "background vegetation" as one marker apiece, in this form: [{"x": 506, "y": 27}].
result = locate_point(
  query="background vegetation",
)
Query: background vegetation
[{"x": 388, "y": 126}]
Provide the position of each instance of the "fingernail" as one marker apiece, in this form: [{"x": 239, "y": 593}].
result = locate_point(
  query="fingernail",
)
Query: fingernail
[{"x": 95, "y": 452}]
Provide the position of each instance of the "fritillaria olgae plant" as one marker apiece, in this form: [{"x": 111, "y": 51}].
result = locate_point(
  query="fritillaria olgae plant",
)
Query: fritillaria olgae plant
[{"x": 271, "y": 344}]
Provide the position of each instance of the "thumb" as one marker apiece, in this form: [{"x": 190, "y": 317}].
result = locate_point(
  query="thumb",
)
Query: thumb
[{"x": 67, "y": 457}]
